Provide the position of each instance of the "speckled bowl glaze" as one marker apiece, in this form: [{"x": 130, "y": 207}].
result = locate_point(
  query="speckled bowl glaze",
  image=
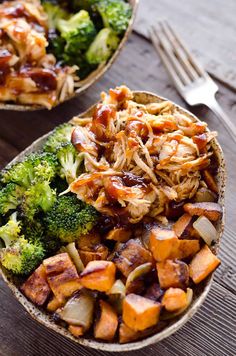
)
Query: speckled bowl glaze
[
  {"x": 92, "y": 77},
  {"x": 200, "y": 291}
]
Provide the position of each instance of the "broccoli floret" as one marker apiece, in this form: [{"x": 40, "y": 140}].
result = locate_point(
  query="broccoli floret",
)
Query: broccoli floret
[
  {"x": 69, "y": 218},
  {"x": 80, "y": 61},
  {"x": 56, "y": 44},
  {"x": 22, "y": 256},
  {"x": 36, "y": 167},
  {"x": 10, "y": 232},
  {"x": 55, "y": 13},
  {"x": 79, "y": 32},
  {"x": 10, "y": 197},
  {"x": 61, "y": 134},
  {"x": 38, "y": 197},
  {"x": 70, "y": 161},
  {"x": 115, "y": 14},
  {"x": 104, "y": 44}
]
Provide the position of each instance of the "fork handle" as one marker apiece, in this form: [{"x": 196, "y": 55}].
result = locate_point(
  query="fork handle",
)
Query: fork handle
[{"x": 228, "y": 124}]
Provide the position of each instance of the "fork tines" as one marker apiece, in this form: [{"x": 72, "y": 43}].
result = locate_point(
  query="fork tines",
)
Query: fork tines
[{"x": 178, "y": 61}]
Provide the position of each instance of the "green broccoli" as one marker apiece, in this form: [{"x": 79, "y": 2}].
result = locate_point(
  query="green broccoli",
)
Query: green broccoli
[
  {"x": 70, "y": 218},
  {"x": 115, "y": 14},
  {"x": 10, "y": 232},
  {"x": 70, "y": 161},
  {"x": 35, "y": 167},
  {"x": 55, "y": 13},
  {"x": 79, "y": 32},
  {"x": 38, "y": 197},
  {"x": 61, "y": 134},
  {"x": 10, "y": 197},
  {"x": 104, "y": 44},
  {"x": 22, "y": 257}
]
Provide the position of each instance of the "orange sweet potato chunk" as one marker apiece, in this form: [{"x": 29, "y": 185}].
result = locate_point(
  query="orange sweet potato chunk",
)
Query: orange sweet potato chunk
[
  {"x": 119, "y": 234},
  {"x": 140, "y": 313},
  {"x": 182, "y": 225},
  {"x": 36, "y": 287},
  {"x": 98, "y": 275},
  {"x": 106, "y": 325},
  {"x": 174, "y": 299},
  {"x": 163, "y": 243},
  {"x": 62, "y": 276},
  {"x": 99, "y": 252},
  {"x": 210, "y": 181},
  {"x": 186, "y": 248},
  {"x": 76, "y": 330},
  {"x": 173, "y": 273},
  {"x": 203, "y": 263},
  {"x": 54, "y": 304},
  {"x": 210, "y": 210}
]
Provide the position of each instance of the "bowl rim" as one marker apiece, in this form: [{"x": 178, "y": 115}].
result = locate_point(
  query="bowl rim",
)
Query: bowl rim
[
  {"x": 44, "y": 319},
  {"x": 91, "y": 79}
]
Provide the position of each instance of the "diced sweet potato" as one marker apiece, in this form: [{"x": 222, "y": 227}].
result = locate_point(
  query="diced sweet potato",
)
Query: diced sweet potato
[
  {"x": 126, "y": 334},
  {"x": 88, "y": 242},
  {"x": 182, "y": 225},
  {"x": 186, "y": 248},
  {"x": 106, "y": 325},
  {"x": 54, "y": 304},
  {"x": 212, "y": 211},
  {"x": 62, "y": 276},
  {"x": 174, "y": 299},
  {"x": 210, "y": 181},
  {"x": 76, "y": 330},
  {"x": 98, "y": 275},
  {"x": 203, "y": 263},
  {"x": 130, "y": 255},
  {"x": 140, "y": 313},
  {"x": 173, "y": 274},
  {"x": 119, "y": 234},
  {"x": 99, "y": 252},
  {"x": 163, "y": 243},
  {"x": 36, "y": 287}
]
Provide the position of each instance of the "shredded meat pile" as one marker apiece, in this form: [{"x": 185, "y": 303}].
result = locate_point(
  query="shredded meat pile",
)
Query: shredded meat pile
[{"x": 139, "y": 158}]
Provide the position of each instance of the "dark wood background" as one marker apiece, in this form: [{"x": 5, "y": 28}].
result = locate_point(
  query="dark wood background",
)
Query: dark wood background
[{"x": 212, "y": 331}]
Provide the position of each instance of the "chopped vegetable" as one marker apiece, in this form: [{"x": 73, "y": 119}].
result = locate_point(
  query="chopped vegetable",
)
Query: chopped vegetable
[
  {"x": 163, "y": 243},
  {"x": 54, "y": 304},
  {"x": 130, "y": 255},
  {"x": 186, "y": 248},
  {"x": 212, "y": 211},
  {"x": 210, "y": 181},
  {"x": 206, "y": 230},
  {"x": 205, "y": 195},
  {"x": 173, "y": 274},
  {"x": 70, "y": 162},
  {"x": 55, "y": 13},
  {"x": 62, "y": 276},
  {"x": 78, "y": 310},
  {"x": 140, "y": 313},
  {"x": 183, "y": 225},
  {"x": 102, "y": 47},
  {"x": 98, "y": 275},
  {"x": 76, "y": 330},
  {"x": 74, "y": 255},
  {"x": 36, "y": 287},
  {"x": 117, "y": 288},
  {"x": 138, "y": 272},
  {"x": 106, "y": 325},
  {"x": 100, "y": 252},
  {"x": 119, "y": 234},
  {"x": 174, "y": 299},
  {"x": 10, "y": 197},
  {"x": 60, "y": 135},
  {"x": 202, "y": 264},
  {"x": 170, "y": 315}
]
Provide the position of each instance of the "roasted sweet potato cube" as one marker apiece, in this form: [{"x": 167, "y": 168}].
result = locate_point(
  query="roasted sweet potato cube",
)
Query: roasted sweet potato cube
[
  {"x": 173, "y": 273},
  {"x": 174, "y": 299},
  {"x": 106, "y": 325},
  {"x": 186, "y": 248},
  {"x": 36, "y": 287},
  {"x": 119, "y": 234},
  {"x": 54, "y": 304},
  {"x": 163, "y": 243},
  {"x": 203, "y": 263},
  {"x": 182, "y": 225},
  {"x": 98, "y": 275},
  {"x": 88, "y": 242},
  {"x": 210, "y": 181},
  {"x": 62, "y": 276},
  {"x": 140, "y": 313},
  {"x": 127, "y": 334},
  {"x": 130, "y": 255},
  {"x": 99, "y": 252},
  {"x": 212, "y": 211},
  {"x": 76, "y": 330}
]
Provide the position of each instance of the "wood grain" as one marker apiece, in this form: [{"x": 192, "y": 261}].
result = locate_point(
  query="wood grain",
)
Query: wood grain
[
  {"x": 209, "y": 30},
  {"x": 212, "y": 331}
]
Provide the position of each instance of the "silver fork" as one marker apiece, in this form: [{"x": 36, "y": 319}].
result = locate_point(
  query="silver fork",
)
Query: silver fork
[{"x": 190, "y": 79}]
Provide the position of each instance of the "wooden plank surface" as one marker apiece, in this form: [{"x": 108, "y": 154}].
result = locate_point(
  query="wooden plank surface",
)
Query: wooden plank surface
[
  {"x": 212, "y": 331},
  {"x": 208, "y": 27}
]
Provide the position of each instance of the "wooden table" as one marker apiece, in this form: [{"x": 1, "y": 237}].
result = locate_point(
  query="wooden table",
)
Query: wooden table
[{"x": 212, "y": 331}]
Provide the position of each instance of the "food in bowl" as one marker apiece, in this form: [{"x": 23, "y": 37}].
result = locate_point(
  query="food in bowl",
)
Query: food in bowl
[
  {"x": 47, "y": 48},
  {"x": 112, "y": 225}
]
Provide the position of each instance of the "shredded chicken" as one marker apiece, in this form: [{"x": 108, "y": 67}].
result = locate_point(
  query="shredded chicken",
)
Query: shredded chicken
[{"x": 138, "y": 158}]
